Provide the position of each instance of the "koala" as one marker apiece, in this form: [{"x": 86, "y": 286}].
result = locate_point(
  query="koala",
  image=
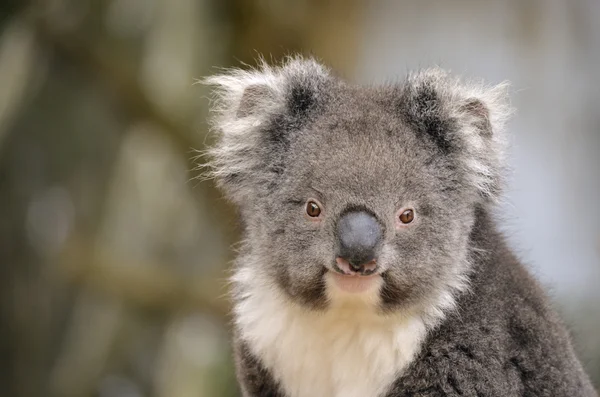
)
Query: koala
[{"x": 371, "y": 264}]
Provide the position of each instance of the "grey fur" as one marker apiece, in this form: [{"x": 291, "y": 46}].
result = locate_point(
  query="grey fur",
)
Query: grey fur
[{"x": 432, "y": 142}]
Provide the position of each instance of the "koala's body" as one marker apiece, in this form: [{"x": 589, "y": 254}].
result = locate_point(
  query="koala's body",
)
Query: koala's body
[{"x": 371, "y": 265}]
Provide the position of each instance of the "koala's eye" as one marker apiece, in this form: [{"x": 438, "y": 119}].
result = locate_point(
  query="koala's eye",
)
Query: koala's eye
[
  {"x": 312, "y": 209},
  {"x": 407, "y": 216}
]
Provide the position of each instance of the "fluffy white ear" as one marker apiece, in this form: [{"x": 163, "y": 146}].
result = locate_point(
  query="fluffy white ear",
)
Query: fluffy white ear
[
  {"x": 484, "y": 113},
  {"x": 253, "y": 112},
  {"x": 466, "y": 119}
]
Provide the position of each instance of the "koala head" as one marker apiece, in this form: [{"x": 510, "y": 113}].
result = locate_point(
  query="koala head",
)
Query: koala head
[{"x": 347, "y": 190}]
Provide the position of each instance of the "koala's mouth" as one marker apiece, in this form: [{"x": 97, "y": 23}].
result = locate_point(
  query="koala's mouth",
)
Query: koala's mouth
[
  {"x": 344, "y": 267},
  {"x": 355, "y": 279},
  {"x": 355, "y": 284}
]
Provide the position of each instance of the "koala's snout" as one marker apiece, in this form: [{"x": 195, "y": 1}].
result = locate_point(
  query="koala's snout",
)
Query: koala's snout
[{"x": 359, "y": 235}]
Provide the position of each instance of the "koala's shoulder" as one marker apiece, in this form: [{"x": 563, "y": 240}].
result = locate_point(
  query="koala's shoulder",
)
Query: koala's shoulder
[{"x": 503, "y": 340}]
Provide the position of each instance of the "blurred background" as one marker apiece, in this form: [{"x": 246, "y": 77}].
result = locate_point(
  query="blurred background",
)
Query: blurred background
[{"x": 114, "y": 256}]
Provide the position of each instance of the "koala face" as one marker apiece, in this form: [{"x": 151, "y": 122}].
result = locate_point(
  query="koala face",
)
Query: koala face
[{"x": 349, "y": 191}]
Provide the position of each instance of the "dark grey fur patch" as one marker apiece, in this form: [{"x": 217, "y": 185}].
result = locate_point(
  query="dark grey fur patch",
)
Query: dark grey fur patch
[
  {"x": 301, "y": 100},
  {"x": 312, "y": 294},
  {"x": 393, "y": 296},
  {"x": 255, "y": 378},
  {"x": 421, "y": 107}
]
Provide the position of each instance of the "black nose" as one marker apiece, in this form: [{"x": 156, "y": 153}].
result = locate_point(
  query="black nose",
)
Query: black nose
[{"x": 359, "y": 234}]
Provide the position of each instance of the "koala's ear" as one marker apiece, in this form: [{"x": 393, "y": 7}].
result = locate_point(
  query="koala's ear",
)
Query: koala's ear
[
  {"x": 465, "y": 120},
  {"x": 254, "y": 114}
]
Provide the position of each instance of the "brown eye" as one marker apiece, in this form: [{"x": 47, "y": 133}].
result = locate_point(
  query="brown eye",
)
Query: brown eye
[
  {"x": 407, "y": 216},
  {"x": 312, "y": 209}
]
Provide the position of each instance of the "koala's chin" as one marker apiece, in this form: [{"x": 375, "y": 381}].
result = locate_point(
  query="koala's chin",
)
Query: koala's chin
[{"x": 371, "y": 265}]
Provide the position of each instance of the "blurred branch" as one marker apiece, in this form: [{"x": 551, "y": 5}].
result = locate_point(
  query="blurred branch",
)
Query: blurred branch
[
  {"x": 91, "y": 60},
  {"x": 149, "y": 285},
  {"x": 104, "y": 66},
  {"x": 17, "y": 61},
  {"x": 8, "y": 8}
]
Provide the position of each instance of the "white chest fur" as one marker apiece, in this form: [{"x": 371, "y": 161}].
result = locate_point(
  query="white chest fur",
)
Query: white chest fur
[{"x": 346, "y": 351}]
